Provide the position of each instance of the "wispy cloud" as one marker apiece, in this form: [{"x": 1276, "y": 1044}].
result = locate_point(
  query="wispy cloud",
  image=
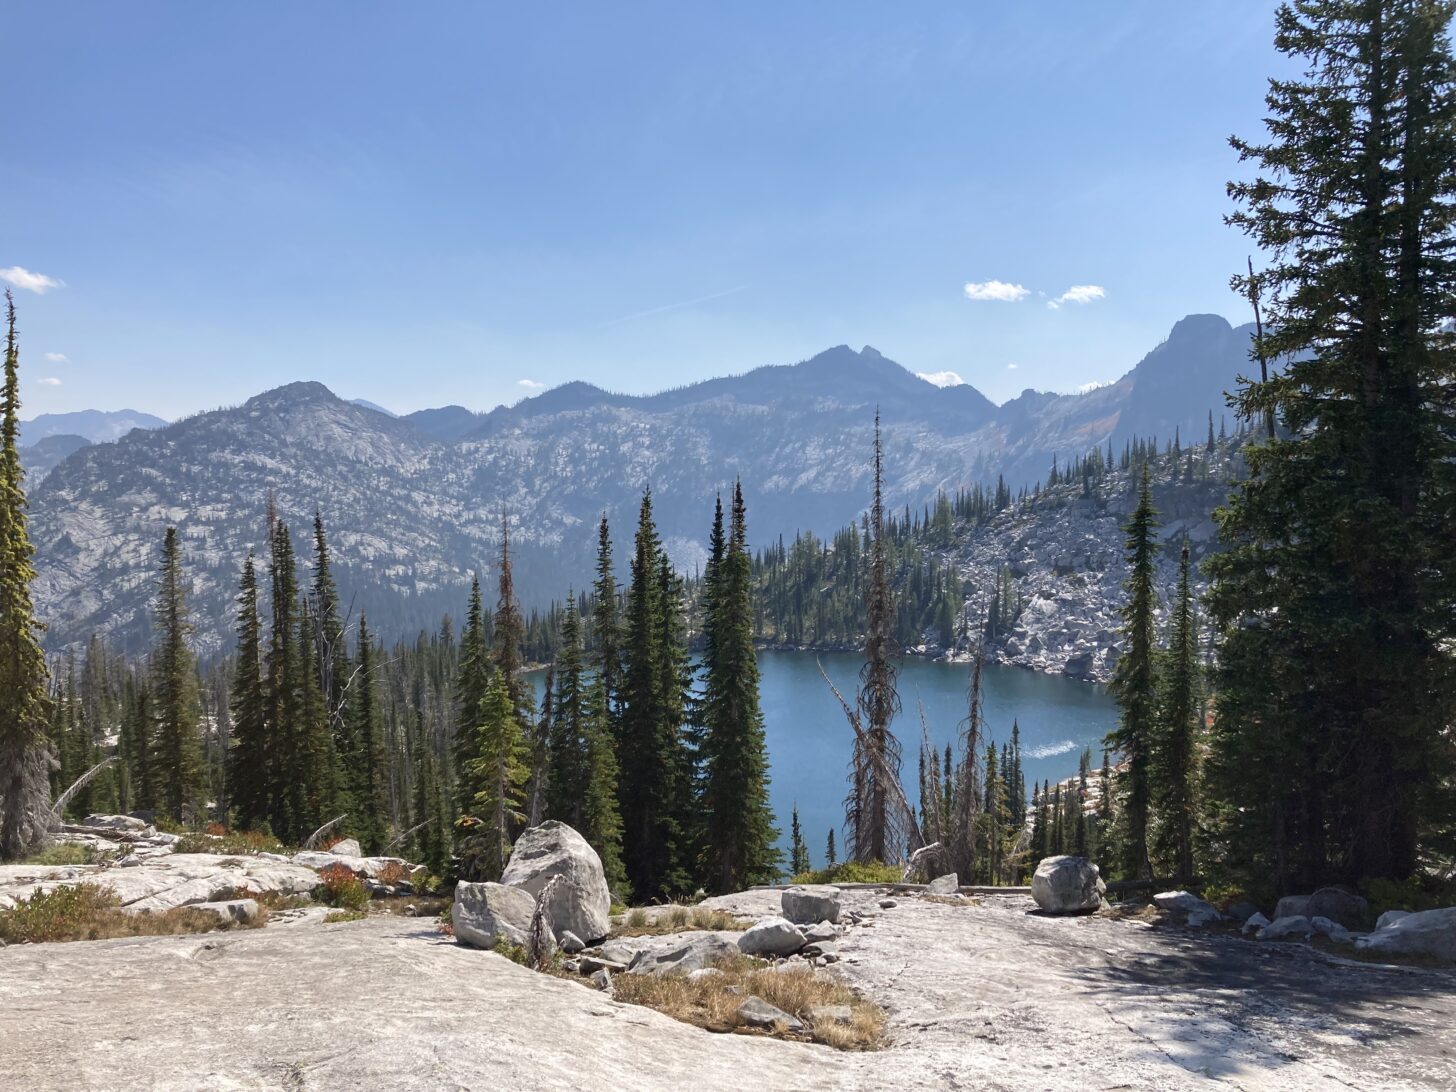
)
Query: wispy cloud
[
  {"x": 20, "y": 277},
  {"x": 58, "y": 358},
  {"x": 1012, "y": 367},
  {"x": 941, "y": 379},
  {"x": 531, "y": 384},
  {"x": 999, "y": 291},
  {"x": 1087, "y": 388},
  {"x": 49, "y": 381},
  {"x": 1078, "y": 293},
  {"x": 676, "y": 306}
]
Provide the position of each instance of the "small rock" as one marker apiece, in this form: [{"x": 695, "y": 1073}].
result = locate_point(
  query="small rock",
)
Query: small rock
[
  {"x": 602, "y": 979},
  {"x": 822, "y": 931},
  {"x": 570, "y": 943},
  {"x": 704, "y": 972},
  {"x": 1332, "y": 930},
  {"x": 1296, "y": 925},
  {"x": 684, "y": 960},
  {"x": 234, "y": 910},
  {"x": 820, "y": 948},
  {"x": 1255, "y": 921},
  {"x": 949, "y": 884},
  {"x": 888, "y": 904},
  {"x": 771, "y": 937},
  {"x": 832, "y": 1014},
  {"x": 758, "y": 1013},
  {"x": 590, "y": 964},
  {"x": 411, "y": 910},
  {"x": 1199, "y": 912}
]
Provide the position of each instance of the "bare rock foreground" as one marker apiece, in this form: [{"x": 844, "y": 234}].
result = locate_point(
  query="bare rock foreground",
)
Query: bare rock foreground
[{"x": 990, "y": 996}]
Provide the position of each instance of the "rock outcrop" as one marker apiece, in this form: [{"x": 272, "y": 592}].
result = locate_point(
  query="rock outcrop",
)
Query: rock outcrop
[
  {"x": 1197, "y": 910},
  {"x": 1067, "y": 885},
  {"x": 582, "y": 902}
]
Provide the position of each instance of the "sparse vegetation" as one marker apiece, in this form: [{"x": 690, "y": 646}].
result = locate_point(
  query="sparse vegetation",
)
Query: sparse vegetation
[
  {"x": 854, "y": 872},
  {"x": 89, "y": 912},
  {"x": 658, "y": 921},
  {"x": 333, "y": 917},
  {"x": 228, "y": 842},
  {"x": 339, "y": 887},
  {"x": 65, "y": 853},
  {"x": 713, "y": 1002}
]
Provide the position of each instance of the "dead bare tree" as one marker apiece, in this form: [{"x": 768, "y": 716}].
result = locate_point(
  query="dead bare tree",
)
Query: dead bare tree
[
  {"x": 900, "y": 822},
  {"x": 540, "y": 940},
  {"x": 59, "y": 807}
]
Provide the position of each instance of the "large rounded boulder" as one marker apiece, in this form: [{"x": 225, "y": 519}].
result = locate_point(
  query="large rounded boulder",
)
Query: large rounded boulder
[
  {"x": 486, "y": 912},
  {"x": 582, "y": 902},
  {"x": 811, "y": 903},
  {"x": 1067, "y": 885}
]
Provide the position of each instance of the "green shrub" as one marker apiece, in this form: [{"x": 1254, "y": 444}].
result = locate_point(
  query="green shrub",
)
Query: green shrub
[
  {"x": 58, "y": 914},
  {"x": 242, "y": 843},
  {"x": 63, "y": 853},
  {"x": 514, "y": 952},
  {"x": 854, "y": 872},
  {"x": 333, "y": 917},
  {"x": 1415, "y": 893},
  {"x": 340, "y": 887}
]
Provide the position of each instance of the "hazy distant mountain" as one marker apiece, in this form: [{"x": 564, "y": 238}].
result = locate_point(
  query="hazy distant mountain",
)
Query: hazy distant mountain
[
  {"x": 375, "y": 406},
  {"x": 414, "y": 503},
  {"x": 40, "y": 457},
  {"x": 96, "y": 426}
]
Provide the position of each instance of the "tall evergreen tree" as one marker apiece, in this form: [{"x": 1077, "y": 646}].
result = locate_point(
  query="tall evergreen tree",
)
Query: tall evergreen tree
[
  {"x": 601, "y": 820},
  {"x": 798, "y": 852},
  {"x": 739, "y": 833},
  {"x": 1332, "y": 596},
  {"x": 831, "y": 855},
  {"x": 471, "y": 679},
  {"x": 606, "y": 635},
  {"x": 366, "y": 773},
  {"x": 285, "y": 758},
  {"x": 874, "y": 827},
  {"x": 1134, "y": 680},
  {"x": 25, "y": 757},
  {"x": 1180, "y": 706},
  {"x": 177, "y": 744},
  {"x": 567, "y": 740},
  {"x": 248, "y": 789},
  {"x": 498, "y": 774}
]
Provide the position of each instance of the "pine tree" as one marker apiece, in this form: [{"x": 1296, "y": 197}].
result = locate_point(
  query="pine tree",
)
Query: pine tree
[
  {"x": 831, "y": 856},
  {"x": 285, "y": 758},
  {"x": 606, "y": 625},
  {"x": 1172, "y": 772},
  {"x": 651, "y": 748},
  {"x": 798, "y": 852},
  {"x": 471, "y": 679},
  {"x": 566, "y": 782},
  {"x": 871, "y": 821},
  {"x": 601, "y": 820},
  {"x": 1332, "y": 596},
  {"x": 1134, "y": 681},
  {"x": 248, "y": 760},
  {"x": 509, "y": 661},
  {"x": 366, "y": 774},
  {"x": 498, "y": 776},
  {"x": 25, "y": 757},
  {"x": 739, "y": 835},
  {"x": 177, "y": 743}
]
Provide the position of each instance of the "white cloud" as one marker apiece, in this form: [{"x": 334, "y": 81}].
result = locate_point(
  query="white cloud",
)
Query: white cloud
[
  {"x": 1012, "y": 367},
  {"x": 1079, "y": 293},
  {"x": 58, "y": 358},
  {"x": 49, "y": 381},
  {"x": 530, "y": 384},
  {"x": 20, "y": 277},
  {"x": 1086, "y": 388},
  {"x": 999, "y": 291},
  {"x": 941, "y": 379}
]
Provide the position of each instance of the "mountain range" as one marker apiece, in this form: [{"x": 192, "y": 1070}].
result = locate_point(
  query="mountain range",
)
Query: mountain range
[{"x": 414, "y": 503}]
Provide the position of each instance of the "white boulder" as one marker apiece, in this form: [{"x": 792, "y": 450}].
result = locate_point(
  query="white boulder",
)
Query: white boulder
[
  {"x": 1288, "y": 928},
  {"x": 582, "y": 902},
  {"x": 948, "y": 884},
  {"x": 1390, "y": 917},
  {"x": 347, "y": 847},
  {"x": 1430, "y": 934},
  {"x": 771, "y": 937},
  {"x": 485, "y": 911},
  {"x": 1199, "y": 911},
  {"x": 808, "y": 904},
  {"x": 1254, "y": 922},
  {"x": 1067, "y": 885}
]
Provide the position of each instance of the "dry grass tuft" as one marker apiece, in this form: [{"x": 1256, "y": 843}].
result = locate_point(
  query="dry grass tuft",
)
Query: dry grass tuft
[
  {"x": 88, "y": 912},
  {"x": 951, "y": 900},
  {"x": 710, "y": 1003},
  {"x": 659, "y": 921}
]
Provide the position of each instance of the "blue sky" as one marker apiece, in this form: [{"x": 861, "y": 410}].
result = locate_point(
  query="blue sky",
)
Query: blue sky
[{"x": 423, "y": 204}]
